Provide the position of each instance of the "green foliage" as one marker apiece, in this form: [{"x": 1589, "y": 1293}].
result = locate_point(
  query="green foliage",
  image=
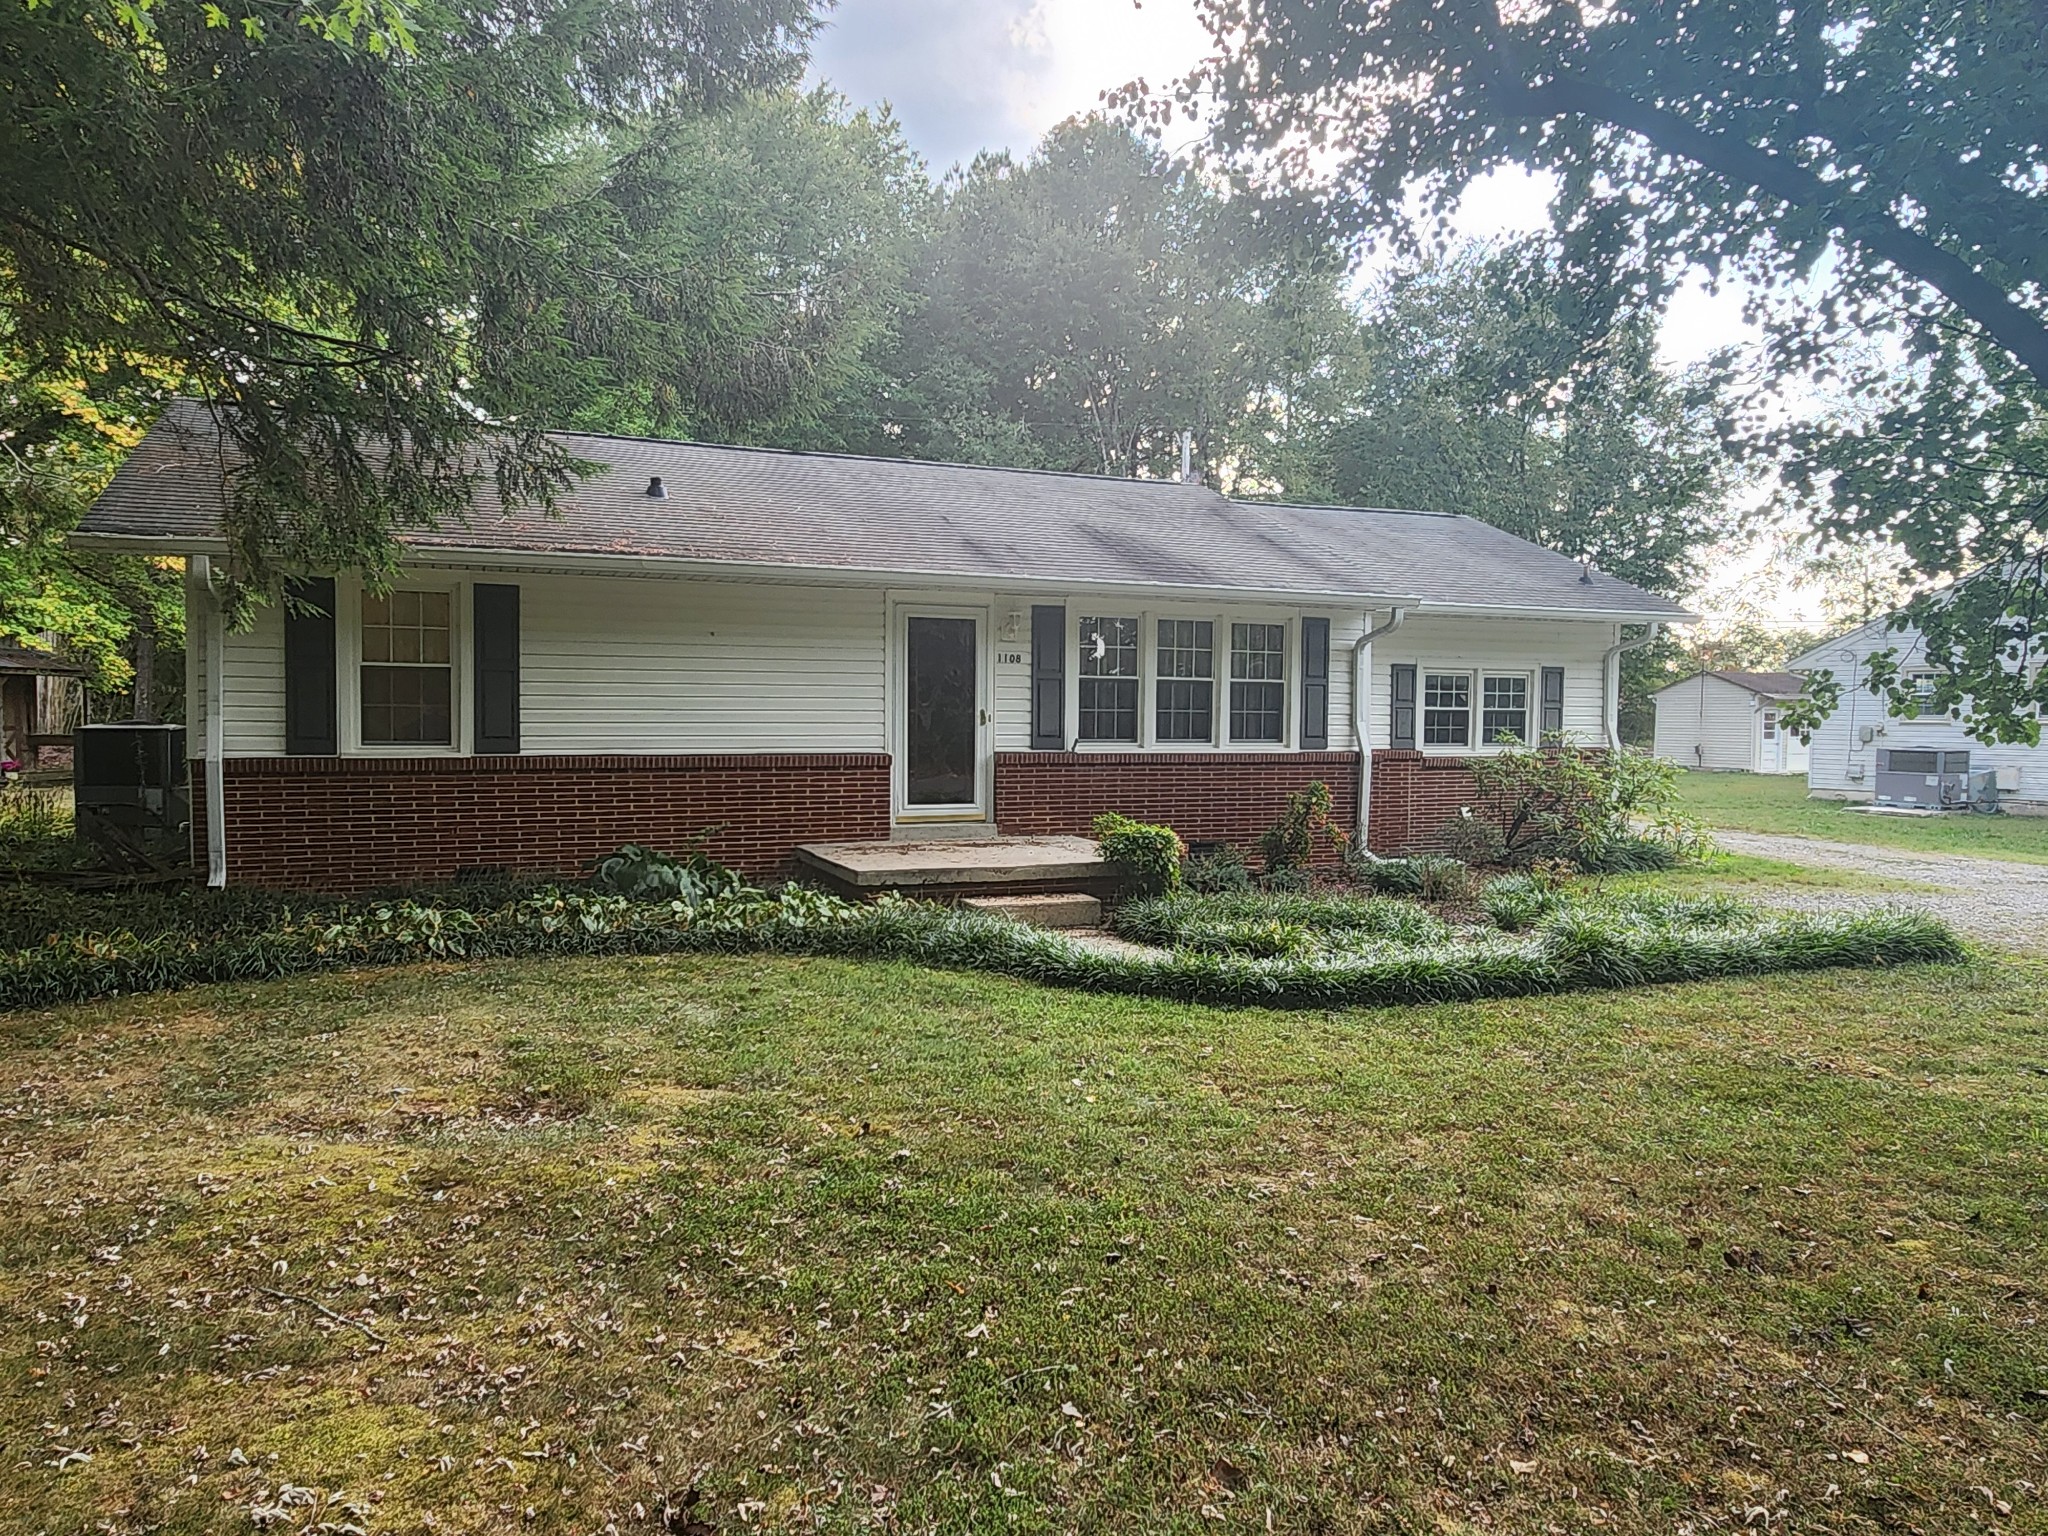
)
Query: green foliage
[
  {"x": 1232, "y": 921},
  {"x": 1433, "y": 877},
  {"x": 1290, "y": 843},
  {"x": 1219, "y": 869},
  {"x": 1627, "y": 943},
  {"x": 1470, "y": 839},
  {"x": 30, "y": 816},
  {"x": 1078, "y": 308},
  {"x": 1147, "y": 857},
  {"x": 1587, "y": 807},
  {"x": 1875, "y": 172},
  {"x": 1514, "y": 903},
  {"x": 641, "y": 874},
  {"x": 389, "y": 267}
]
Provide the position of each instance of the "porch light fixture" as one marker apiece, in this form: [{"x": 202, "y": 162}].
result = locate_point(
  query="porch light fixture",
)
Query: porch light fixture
[{"x": 656, "y": 489}]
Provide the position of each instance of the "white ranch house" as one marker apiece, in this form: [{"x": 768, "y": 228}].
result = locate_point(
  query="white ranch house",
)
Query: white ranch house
[{"x": 811, "y": 647}]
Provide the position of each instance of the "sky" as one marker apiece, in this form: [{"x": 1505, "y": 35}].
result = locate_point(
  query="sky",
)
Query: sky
[{"x": 968, "y": 75}]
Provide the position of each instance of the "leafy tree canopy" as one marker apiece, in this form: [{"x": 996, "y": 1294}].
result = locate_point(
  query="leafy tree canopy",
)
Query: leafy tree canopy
[
  {"x": 373, "y": 241},
  {"x": 1079, "y": 308},
  {"x": 1873, "y": 170}
]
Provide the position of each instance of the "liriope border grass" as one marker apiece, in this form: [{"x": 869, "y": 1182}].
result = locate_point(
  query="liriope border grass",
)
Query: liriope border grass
[{"x": 1580, "y": 950}]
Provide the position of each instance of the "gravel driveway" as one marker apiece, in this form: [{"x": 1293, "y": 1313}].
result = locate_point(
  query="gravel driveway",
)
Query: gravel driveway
[{"x": 1989, "y": 899}]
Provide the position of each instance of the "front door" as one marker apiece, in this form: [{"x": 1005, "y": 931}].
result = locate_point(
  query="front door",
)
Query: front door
[{"x": 943, "y": 719}]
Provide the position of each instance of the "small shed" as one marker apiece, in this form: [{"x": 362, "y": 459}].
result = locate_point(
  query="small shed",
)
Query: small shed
[
  {"x": 20, "y": 669},
  {"x": 1731, "y": 722}
]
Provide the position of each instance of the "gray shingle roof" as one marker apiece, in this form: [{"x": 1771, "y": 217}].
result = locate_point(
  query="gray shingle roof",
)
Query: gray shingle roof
[
  {"x": 1772, "y": 685},
  {"x": 836, "y": 512}
]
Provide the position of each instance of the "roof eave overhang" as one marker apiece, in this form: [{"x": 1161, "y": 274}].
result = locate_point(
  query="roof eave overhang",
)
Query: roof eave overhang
[
  {"x": 1542, "y": 611},
  {"x": 588, "y": 563}
]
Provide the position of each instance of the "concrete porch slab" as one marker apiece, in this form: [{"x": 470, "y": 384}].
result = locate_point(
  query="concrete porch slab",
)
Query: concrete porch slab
[
  {"x": 1051, "y": 910},
  {"x": 922, "y": 865}
]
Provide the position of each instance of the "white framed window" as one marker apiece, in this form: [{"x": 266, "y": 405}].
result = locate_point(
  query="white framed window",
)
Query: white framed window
[
  {"x": 1920, "y": 685},
  {"x": 1447, "y": 709},
  {"x": 1258, "y": 682},
  {"x": 1770, "y": 725},
  {"x": 1185, "y": 693},
  {"x": 1504, "y": 708},
  {"x": 405, "y": 669},
  {"x": 1106, "y": 706}
]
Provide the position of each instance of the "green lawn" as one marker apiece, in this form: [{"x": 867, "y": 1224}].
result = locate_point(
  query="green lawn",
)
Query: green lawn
[
  {"x": 1758, "y": 802},
  {"x": 851, "y": 1247}
]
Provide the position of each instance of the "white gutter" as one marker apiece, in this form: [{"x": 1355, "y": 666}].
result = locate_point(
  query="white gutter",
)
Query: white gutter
[
  {"x": 1361, "y": 717},
  {"x": 1610, "y": 682},
  {"x": 213, "y": 649}
]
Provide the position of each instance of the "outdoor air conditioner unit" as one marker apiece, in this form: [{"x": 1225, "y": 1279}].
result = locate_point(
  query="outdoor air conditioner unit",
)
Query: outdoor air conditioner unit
[{"x": 1922, "y": 778}]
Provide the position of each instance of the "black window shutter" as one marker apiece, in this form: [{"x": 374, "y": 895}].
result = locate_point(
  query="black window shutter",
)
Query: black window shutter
[
  {"x": 494, "y": 617},
  {"x": 310, "y": 725},
  {"x": 1315, "y": 685},
  {"x": 1553, "y": 702},
  {"x": 1402, "y": 707},
  {"x": 1048, "y": 677}
]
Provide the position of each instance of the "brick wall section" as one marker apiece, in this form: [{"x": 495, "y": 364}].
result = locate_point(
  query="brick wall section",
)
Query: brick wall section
[
  {"x": 1412, "y": 797},
  {"x": 341, "y": 824},
  {"x": 1207, "y": 797}
]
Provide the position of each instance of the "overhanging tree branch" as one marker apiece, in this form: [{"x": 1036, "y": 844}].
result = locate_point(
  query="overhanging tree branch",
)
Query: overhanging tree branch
[{"x": 2015, "y": 328}]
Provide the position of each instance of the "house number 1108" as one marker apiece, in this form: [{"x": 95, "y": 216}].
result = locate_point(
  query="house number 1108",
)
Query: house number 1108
[{"x": 1010, "y": 658}]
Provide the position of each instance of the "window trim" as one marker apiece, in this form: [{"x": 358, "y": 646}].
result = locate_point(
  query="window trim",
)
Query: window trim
[
  {"x": 1136, "y": 679},
  {"x": 1230, "y": 680},
  {"x": 1148, "y": 613},
  {"x": 1476, "y": 675},
  {"x": 349, "y": 658},
  {"x": 1530, "y": 705},
  {"x": 1929, "y": 716}
]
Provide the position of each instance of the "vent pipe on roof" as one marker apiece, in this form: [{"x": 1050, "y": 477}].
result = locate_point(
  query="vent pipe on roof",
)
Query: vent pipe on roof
[{"x": 656, "y": 489}]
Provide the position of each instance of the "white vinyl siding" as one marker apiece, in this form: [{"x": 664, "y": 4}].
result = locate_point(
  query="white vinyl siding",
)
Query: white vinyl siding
[
  {"x": 1710, "y": 723},
  {"x": 1478, "y": 649},
  {"x": 1843, "y": 765}
]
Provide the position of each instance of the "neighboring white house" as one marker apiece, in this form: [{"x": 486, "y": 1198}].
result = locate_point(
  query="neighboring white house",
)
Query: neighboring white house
[
  {"x": 1854, "y": 743},
  {"x": 1731, "y": 722}
]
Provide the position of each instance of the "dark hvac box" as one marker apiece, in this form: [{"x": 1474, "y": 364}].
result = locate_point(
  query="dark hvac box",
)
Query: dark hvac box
[{"x": 132, "y": 789}]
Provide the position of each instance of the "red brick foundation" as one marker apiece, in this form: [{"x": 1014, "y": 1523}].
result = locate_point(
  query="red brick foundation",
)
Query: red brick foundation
[
  {"x": 1207, "y": 797},
  {"x": 1413, "y": 796},
  {"x": 343, "y": 823}
]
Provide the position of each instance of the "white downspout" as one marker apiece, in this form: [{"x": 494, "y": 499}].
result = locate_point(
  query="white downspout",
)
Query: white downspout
[
  {"x": 213, "y": 640},
  {"x": 1610, "y": 681},
  {"x": 1361, "y": 716}
]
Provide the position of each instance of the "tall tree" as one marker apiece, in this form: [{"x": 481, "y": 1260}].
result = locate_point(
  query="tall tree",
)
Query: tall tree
[
  {"x": 1480, "y": 395},
  {"x": 358, "y": 238},
  {"x": 1871, "y": 167},
  {"x": 1080, "y": 308}
]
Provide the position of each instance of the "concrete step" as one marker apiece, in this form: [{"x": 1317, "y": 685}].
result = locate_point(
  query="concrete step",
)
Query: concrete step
[{"x": 1057, "y": 909}]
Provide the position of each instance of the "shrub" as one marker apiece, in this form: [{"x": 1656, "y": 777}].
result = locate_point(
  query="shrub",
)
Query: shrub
[
  {"x": 1290, "y": 843},
  {"x": 1471, "y": 839},
  {"x": 1433, "y": 877},
  {"x": 1557, "y": 802},
  {"x": 1145, "y": 856},
  {"x": 645, "y": 875},
  {"x": 1221, "y": 868},
  {"x": 1631, "y": 853}
]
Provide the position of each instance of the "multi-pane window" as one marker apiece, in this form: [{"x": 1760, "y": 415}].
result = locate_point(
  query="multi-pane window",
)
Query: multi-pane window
[
  {"x": 1922, "y": 683},
  {"x": 1770, "y": 725},
  {"x": 1504, "y": 710},
  {"x": 1447, "y": 709},
  {"x": 1186, "y": 693},
  {"x": 1258, "y": 681},
  {"x": 1108, "y": 668},
  {"x": 407, "y": 677}
]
